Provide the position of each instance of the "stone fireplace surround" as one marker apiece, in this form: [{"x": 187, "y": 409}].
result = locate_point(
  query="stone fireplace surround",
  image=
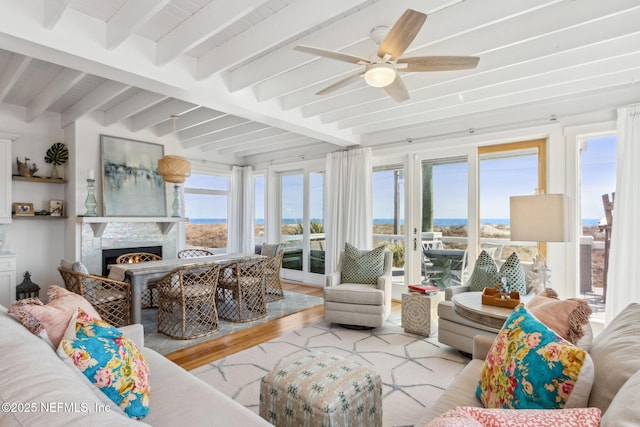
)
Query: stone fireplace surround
[{"x": 117, "y": 235}]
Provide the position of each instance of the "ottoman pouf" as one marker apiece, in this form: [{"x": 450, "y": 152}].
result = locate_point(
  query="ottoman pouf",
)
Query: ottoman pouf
[{"x": 321, "y": 389}]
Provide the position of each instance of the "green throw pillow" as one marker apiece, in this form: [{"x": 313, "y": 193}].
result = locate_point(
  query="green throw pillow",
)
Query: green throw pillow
[
  {"x": 514, "y": 273},
  {"x": 485, "y": 273},
  {"x": 362, "y": 266}
]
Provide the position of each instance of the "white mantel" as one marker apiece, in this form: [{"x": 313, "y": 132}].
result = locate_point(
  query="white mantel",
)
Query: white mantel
[{"x": 99, "y": 223}]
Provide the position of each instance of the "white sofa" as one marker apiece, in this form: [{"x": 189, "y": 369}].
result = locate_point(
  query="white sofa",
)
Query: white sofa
[
  {"x": 616, "y": 384},
  {"x": 39, "y": 389}
]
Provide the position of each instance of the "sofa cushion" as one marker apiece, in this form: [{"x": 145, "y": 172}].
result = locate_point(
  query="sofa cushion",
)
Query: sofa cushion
[
  {"x": 50, "y": 321},
  {"x": 569, "y": 318},
  {"x": 623, "y": 409},
  {"x": 485, "y": 273},
  {"x": 613, "y": 357},
  {"x": 529, "y": 366},
  {"x": 110, "y": 361},
  {"x": 471, "y": 416},
  {"x": 362, "y": 266}
]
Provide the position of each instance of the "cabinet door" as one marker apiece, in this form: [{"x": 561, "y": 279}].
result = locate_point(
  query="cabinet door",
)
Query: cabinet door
[
  {"x": 5, "y": 180},
  {"x": 7, "y": 287}
]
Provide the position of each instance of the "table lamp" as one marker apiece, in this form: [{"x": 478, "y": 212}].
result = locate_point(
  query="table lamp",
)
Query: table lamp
[{"x": 540, "y": 218}]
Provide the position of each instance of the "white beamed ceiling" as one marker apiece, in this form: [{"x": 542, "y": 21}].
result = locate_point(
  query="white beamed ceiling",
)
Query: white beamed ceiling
[{"x": 229, "y": 68}]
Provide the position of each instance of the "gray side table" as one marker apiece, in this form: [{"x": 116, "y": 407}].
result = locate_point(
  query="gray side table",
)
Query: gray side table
[{"x": 420, "y": 312}]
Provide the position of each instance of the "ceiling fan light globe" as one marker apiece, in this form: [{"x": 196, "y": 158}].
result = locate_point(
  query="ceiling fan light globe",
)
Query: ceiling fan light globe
[{"x": 379, "y": 75}]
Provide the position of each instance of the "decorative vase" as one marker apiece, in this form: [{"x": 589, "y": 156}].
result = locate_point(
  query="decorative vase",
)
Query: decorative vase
[{"x": 54, "y": 172}]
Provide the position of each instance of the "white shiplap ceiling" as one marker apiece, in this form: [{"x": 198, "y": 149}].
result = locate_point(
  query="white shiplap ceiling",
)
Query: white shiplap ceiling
[{"x": 229, "y": 68}]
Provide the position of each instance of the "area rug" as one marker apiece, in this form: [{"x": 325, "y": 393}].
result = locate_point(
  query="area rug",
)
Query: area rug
[
  {"x": 292, "y": 303},
  {"x": 414, "y": 369}
]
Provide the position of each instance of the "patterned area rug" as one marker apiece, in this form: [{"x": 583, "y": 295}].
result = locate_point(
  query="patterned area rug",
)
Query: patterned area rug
[
  {"x": 414, "y": 369},
  {"x": 292, "y": 303}
]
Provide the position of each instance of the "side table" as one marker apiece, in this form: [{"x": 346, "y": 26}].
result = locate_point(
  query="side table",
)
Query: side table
[{"x": 420, "y": 312}]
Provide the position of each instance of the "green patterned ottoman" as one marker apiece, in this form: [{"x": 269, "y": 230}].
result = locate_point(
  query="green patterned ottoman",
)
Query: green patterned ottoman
[{"x": 321, "y": 389}]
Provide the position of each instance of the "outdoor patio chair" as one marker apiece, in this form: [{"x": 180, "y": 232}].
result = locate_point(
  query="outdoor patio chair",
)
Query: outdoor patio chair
[
  {"x": 186, "y": 301},
  {"x": 110, "y": 298},
  {"x": 149, "y": 296},
  {"x": 241, "y": 290}
]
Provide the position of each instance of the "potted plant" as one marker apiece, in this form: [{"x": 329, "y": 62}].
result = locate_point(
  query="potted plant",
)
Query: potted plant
[{"x": 57, "y": 155}]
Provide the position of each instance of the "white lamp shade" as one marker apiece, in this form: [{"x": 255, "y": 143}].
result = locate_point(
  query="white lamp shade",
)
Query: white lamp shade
[
  {"x": 540, "y": 218},
  {"x": 380, "y": 75}
]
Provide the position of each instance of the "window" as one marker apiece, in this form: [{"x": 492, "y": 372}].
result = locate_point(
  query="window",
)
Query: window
[
  {"x": 291, "y": 213},
  {"x": 258, "y": 218},
  {"x": 597, "y": 180},
  {"x": 316, "y": 222},
  {"x": 206, "y": 200},
  {"x": 388, "y": 211},
  {"x": 506, "y": 170},
  {"x": 444, "y": 220}
]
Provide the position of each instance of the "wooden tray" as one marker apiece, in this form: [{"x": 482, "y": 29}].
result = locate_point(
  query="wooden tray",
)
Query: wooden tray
[{"x": 491, "y": 296}]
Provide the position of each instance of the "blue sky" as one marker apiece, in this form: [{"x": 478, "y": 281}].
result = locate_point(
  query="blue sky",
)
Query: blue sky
[{"x": 500, "y": 178}]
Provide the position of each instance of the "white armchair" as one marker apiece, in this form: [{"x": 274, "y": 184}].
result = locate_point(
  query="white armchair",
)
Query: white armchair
[{"x": 358, "y": 304}]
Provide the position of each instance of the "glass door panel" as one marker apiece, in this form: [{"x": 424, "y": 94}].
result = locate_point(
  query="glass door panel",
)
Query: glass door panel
[
  {"x": 388, "y": 213},
  {"x": 316, "y": 223},
  {"x": 291, "y": 214},
  {"x": 444, "y": 221}
]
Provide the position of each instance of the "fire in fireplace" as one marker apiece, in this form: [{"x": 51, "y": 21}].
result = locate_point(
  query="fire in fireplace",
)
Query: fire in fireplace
[{"x": 109, "y": 255}]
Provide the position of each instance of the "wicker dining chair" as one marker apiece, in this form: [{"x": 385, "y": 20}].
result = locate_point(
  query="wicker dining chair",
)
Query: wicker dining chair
[
  {"x": 110, "y": 298},
  {"x": 149, "y": 296},
  {"x": 193, "y": 253},
  {"x": 186, "y": 301},
  {"x": 241, "y": 290},
  {"x": 273, "y": 287}
]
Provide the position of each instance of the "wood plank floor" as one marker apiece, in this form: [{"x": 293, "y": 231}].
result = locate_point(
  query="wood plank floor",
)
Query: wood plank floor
[{"x": 210, "y": 351}]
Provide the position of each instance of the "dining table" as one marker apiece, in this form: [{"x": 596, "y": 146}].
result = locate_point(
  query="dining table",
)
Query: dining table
[{"x": 141, "y": 273}]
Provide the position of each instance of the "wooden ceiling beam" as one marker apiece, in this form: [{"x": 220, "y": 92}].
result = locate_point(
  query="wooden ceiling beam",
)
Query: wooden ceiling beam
[{"x": 132, "y": 16}]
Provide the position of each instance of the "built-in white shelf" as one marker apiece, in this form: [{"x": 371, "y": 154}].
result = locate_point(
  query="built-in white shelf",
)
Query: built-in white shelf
[{"x": 99, "y": 223}]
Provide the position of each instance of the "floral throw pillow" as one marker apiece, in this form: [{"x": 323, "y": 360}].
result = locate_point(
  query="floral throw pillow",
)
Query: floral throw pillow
[
  {"x": 362, "y": 266},
  {"x": 110, "y": 361},
  {"x": 529, "y": 366},
  {"x": 467, "y": 416}
]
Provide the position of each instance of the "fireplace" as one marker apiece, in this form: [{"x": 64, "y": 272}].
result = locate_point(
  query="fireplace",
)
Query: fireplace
[{"x": 109, "y": 255}]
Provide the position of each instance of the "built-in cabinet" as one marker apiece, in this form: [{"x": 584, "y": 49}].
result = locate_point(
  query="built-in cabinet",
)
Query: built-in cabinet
[
  {"x": 5, "y": 177},
  {"x": 7, "y": 278}
]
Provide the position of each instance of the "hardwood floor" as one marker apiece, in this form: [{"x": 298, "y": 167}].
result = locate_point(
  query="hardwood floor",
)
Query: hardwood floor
[{"x": 210, "y": 351}]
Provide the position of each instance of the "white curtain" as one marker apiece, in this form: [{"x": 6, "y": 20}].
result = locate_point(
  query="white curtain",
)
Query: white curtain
[
  {"x": 624, "y": 268},
  {"x": 241, "y": 210},
  {"x": 348, "y": 206}
]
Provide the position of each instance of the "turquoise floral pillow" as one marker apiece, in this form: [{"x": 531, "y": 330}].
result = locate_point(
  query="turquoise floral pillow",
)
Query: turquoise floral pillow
[
  {"x": 485, "y": 273},
  {"x": 529, "y": 366},
  {"x": 110, "y": 361},
  {"x": 362, "y": 266}
]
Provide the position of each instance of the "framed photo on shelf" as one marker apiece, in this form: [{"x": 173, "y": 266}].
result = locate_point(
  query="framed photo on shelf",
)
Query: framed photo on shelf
[
  {"x": 23, "y": 209},
  {"x": 56, "y": 207},
  {"x": 131, "y": 185}
]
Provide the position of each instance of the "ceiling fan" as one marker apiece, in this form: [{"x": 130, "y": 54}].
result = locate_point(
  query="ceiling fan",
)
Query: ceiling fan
[{"x": 382, "y": 69}]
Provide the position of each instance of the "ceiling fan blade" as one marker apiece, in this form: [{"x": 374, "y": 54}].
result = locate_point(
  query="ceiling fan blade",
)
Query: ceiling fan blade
[
  {"x": 333, "y": 55},
  {"x": 397, "y": 90},
  {"x": 438, "y": 63},
  {"x": 402, "y": 34},
  {"x": 341, "y": 83}
]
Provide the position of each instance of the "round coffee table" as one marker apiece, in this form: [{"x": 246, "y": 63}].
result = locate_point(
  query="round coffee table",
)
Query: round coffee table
[{"x": 469, "y": 305}]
